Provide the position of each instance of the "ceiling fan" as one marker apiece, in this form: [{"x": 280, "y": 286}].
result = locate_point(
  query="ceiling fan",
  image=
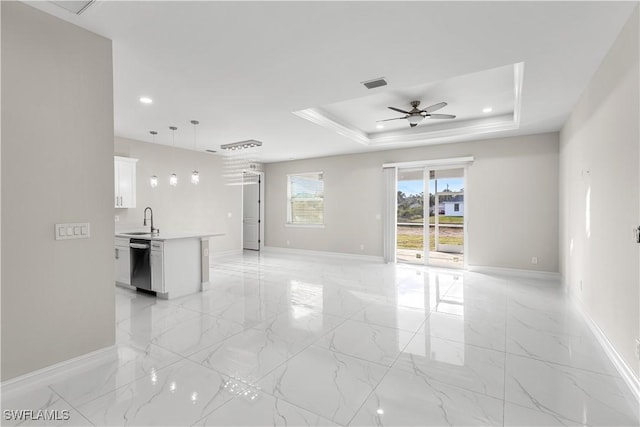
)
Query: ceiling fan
[{"x": 415, "y": 116}]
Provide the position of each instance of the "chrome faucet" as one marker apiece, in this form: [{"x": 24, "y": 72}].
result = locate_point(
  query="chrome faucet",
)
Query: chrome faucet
[{"x": 153, "y": 229}]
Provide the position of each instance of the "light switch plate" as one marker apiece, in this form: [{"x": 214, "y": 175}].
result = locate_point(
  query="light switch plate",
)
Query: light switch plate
[{"x": 74, "y": 230}]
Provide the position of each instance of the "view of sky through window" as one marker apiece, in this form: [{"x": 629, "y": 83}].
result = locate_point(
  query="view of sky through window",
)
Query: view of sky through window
[{"x": 415, "y": 186}]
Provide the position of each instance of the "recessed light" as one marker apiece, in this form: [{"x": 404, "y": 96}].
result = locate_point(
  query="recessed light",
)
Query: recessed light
[
  {"x": 380, "y": 126},
  {"x": 146, "y": 100},
  {"x": 487, "y": 110}
]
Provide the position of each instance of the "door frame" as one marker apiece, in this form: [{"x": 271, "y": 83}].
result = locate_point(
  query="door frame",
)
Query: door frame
[
  {"x": 260, "y": 175},
  {"x": 465, "y": 243},
  {"x": 439, "y": 164}
]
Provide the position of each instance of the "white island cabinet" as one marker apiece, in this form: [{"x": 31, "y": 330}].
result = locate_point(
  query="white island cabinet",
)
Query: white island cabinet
[
  {"x": 179, "y": 262},
  {"x": 122, "y": 261}
]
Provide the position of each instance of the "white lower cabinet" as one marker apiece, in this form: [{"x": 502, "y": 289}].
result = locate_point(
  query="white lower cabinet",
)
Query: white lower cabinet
[
  {"x": 122, "y": 262},
  {"x": 157, "y": 267}
]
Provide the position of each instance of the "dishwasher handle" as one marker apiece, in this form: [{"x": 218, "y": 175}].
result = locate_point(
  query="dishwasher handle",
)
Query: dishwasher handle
[{"x": 139, "y": 245}]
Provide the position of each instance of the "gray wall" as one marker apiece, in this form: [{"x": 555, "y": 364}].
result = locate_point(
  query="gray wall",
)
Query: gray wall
[
  {"x": 186, "y": 207},
  {"x": 57, "y": 147},
  {"x": 512, "y": 201},
  {"x": 599, "y": 155}
]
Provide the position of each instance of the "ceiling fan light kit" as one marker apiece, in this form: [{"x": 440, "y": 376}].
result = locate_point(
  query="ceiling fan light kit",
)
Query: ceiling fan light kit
[{"x": 415, "y": 115}]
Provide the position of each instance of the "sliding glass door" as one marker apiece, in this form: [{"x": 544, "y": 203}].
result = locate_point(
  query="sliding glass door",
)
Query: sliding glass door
[
  {"x": 431, "y": 216},
  {"x": 410, "y": 246}
]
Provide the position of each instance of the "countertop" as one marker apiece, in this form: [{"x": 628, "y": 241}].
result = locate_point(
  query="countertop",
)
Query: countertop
[{"x": 162, "y": 236}]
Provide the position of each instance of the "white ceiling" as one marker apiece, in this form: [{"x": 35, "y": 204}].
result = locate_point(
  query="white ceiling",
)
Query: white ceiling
[
  {"x": 242, "y": 68},
  {"x": 466, "y": 97}
]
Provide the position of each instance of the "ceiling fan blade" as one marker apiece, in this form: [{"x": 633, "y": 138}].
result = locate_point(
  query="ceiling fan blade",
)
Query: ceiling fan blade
[
  {"x": 398, "y": 110},
  {"x": 434, "y": 107},
  {"x": 441, "y": 116},
  {"x": 413, "y": 125},
  {"x": 386, "y": 120}
]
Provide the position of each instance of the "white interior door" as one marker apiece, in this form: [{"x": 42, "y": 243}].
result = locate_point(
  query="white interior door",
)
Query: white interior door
[{"x": 251, "y": 211}]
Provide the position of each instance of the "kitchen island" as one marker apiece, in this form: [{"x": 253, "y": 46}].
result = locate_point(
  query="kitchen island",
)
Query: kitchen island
[{"x": 169, "y": 264}]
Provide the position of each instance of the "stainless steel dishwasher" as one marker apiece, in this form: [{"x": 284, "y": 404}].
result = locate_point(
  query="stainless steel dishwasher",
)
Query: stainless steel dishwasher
[{"x": 140, "y": 255}]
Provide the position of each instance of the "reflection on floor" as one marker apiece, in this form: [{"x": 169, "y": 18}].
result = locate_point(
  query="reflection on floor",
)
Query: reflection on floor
[
  {"x": 292, "y": 340},
  {"x": 436, "y": 259}
]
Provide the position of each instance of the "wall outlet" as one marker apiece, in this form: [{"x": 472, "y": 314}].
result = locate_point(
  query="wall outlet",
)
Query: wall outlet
[
  {"x": 229, "y": 214},
  {"x": 534, "y": 260},
  {"x": 638, "y": 348},
  {"x": 116, "y": 218},
  {"x": 288, "y": 243},
  {"x": 362, "y": 247}
]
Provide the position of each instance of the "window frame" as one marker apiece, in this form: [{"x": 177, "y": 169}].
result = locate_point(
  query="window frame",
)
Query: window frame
[{"x": 289, "y": 218}]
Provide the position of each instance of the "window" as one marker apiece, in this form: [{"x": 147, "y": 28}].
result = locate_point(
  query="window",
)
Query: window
[
  {"x": 305, "y": 199},
  {"x": 456, "y": 207}
]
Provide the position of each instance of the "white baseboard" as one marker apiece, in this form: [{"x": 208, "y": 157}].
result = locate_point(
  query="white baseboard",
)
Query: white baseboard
[
  {"x": 125, "y": 286},
  {"x": 51, "y": 372},
  {"x": 220, "y": 254},
  {"x": 515, "y": 272},
  {"x": 306, "y": 252},
  {"x": 627, "y": 374}
]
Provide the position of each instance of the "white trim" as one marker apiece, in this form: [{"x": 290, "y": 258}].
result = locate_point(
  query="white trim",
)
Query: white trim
[
  {"x": 219, "y": 254},
  {"x": 307, "y": 252},
  {"x": 390, "y": 215},
  {"x": 324, "y": 119},
  {"x": 518, "y": 78},
  {"x": 126, "y": 159},
  {"x": 435, "y": 133},
  {"x": 466, "y": 218},
  {"x": 426, "y": 218},
  {"x": 50, "y": 372},
  {"x": 632, "y": 381},
  {"x": 438, "y": 136},
  {"x": 125, "y": 286},
  {"x": 289, "y": 216},
  {"x": 261, "y": 221},
  {"x": 515, "y": 272},
  {"x": 304, "y": 225},
  {"x": 462, "y": 161}
]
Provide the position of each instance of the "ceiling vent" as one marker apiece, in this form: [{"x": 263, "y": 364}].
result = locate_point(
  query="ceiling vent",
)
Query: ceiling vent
[
  {"x": 371, "y": 84},
  {"x": 74, "y": 6}
]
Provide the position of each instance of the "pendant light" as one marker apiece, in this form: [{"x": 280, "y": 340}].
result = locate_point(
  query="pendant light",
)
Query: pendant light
[
  {"x": 195, "y": 176},
  {"x": 173, "y": 178},
  {"x": 153, "y": 181}
]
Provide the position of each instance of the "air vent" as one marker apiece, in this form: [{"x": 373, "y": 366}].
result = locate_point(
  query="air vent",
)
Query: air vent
[
  {"x": 74, "y": 6},
  {"x": 371, "y": 84}
]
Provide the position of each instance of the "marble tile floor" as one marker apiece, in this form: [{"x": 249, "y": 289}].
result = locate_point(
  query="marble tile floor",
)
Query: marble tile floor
[{"x": 294, "y": 340}]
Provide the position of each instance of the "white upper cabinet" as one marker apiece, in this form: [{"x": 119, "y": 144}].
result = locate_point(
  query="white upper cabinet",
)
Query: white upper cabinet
[{"x": 124, "y": 174}]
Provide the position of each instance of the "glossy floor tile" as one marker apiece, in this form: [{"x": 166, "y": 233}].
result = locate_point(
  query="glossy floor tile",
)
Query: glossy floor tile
[
  {"x": 255, "y": 408},
  {"x": 408, "y": 398},
  {"x": 328, "y": 383},
  {"x": 297, "y": 340}
]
